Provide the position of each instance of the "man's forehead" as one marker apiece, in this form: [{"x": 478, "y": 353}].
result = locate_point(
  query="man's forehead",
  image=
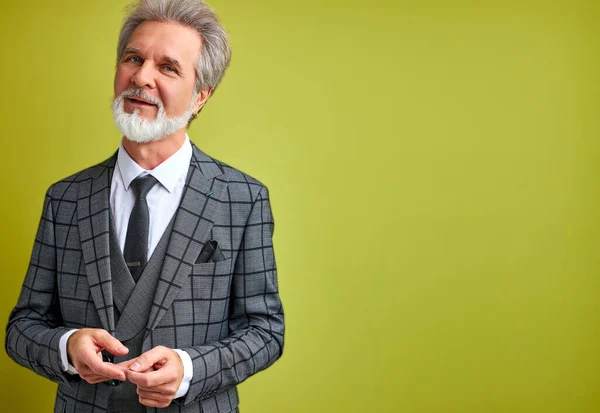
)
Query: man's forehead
[{"x": 165, "y": 40}]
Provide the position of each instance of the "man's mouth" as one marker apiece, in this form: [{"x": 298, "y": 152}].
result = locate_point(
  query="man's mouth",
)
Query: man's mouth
[{"x": 139, "y": 102}]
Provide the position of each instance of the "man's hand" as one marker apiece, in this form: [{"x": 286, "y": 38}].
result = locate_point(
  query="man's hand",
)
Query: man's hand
[
  {"x": 157, "y": 374},
  {"x": 84, "y": 349}
]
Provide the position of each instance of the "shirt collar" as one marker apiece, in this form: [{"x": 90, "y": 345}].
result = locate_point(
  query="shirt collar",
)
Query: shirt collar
[{"x": 167, "y": 173}]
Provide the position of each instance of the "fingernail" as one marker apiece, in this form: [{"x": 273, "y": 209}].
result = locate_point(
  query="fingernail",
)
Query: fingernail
[
  {"x": 123, "y": 349},
  {"x": 135, "y": 366}
]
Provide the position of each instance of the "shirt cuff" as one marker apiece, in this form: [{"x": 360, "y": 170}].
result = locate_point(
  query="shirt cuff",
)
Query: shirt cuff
[
  {"x": 188, "y": 373},
  {"x": 64, "y": 357}
]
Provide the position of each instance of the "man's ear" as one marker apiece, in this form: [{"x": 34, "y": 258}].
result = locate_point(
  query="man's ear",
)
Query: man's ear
[{"x": 201, "y": 99}]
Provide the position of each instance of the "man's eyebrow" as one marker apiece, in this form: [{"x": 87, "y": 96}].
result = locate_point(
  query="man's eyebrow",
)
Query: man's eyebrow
[
  {"x": 172, "y": 62},
  {"x": 130, "y": 50}
]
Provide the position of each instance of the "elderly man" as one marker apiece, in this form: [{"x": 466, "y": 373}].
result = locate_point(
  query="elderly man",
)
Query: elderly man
[{"x": 152, "y": 282}]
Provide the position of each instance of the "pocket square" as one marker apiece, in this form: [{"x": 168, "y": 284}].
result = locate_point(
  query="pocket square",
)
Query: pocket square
[{"x": 210, "y": 253}]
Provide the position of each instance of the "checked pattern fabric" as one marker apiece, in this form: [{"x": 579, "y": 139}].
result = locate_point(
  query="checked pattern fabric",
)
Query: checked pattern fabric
[{"x": 227, "y": 315}]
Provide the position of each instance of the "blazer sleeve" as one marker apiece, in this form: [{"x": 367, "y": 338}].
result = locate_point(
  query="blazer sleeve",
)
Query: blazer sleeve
[
  {"x": 256, "y": 321},
  {"x": 35, "y": 326}
]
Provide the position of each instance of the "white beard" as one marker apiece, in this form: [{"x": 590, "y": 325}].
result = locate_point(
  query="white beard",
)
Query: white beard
[{"x": 139, "y": 129}]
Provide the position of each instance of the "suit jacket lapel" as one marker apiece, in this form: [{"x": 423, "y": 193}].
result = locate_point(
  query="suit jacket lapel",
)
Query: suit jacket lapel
[
  {"x": 205, "y": 189},
  {"x": 93, "y": 208}
]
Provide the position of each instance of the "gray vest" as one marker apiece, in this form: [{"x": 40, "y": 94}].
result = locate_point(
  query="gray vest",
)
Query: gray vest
[{"x": 133, "y": 302}]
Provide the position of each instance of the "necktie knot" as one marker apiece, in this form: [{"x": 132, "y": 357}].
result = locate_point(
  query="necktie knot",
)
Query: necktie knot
[{"x": 142, "y": 185}]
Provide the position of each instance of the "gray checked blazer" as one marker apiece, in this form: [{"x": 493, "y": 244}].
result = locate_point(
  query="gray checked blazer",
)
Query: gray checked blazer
[{"x": 227, "y": 315}]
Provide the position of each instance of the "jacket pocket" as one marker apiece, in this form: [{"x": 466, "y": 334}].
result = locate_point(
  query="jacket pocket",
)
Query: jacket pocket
[{"x": 213, "y": 268}]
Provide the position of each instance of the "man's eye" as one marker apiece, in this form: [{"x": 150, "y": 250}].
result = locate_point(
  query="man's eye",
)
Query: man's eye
[
  {"x": 169, "y": 68},
  {"x": 134, "y": 59}
]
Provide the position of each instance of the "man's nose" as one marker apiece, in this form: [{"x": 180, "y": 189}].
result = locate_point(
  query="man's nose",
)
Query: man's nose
[{"x": 144, "y": 76}]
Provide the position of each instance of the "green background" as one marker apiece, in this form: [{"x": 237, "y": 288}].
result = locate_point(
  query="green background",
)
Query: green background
[{"x": 433, "y": 171}]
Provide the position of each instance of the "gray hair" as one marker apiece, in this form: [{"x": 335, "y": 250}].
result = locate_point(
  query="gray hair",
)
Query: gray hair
[{"x": 196, "y": 14}]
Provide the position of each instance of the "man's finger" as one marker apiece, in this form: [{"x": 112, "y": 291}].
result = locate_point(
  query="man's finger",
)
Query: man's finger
[
  {"x": 107, "y": 369},
  {"x": 152, "y": 395},
  {"x": 150, "y": 379},
  {"x": 149, "y": 358},
  {"x": 124, "y": 365},
  {"x": 95, "y": 379},
  {"x": 111, "y": 344},
  {"x": 88, "y": 375}
]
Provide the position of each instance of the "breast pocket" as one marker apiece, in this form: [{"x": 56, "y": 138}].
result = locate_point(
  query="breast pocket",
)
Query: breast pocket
[
  {"x": 212, "y": 280},
  {"x": 213, "y": 268}
]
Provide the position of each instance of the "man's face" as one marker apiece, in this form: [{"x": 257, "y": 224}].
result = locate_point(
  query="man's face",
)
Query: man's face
[{"x": 160, "y": 59}]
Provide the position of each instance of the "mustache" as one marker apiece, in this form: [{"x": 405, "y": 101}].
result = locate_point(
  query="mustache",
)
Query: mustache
[{"x": 139, "y": 93}]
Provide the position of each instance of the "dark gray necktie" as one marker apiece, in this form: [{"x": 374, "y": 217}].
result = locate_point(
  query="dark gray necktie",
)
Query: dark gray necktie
[{"x": 136, "y": 241}]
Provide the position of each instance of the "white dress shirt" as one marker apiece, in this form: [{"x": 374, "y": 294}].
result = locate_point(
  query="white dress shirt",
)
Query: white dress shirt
[{"x": 163, "y": 200}]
